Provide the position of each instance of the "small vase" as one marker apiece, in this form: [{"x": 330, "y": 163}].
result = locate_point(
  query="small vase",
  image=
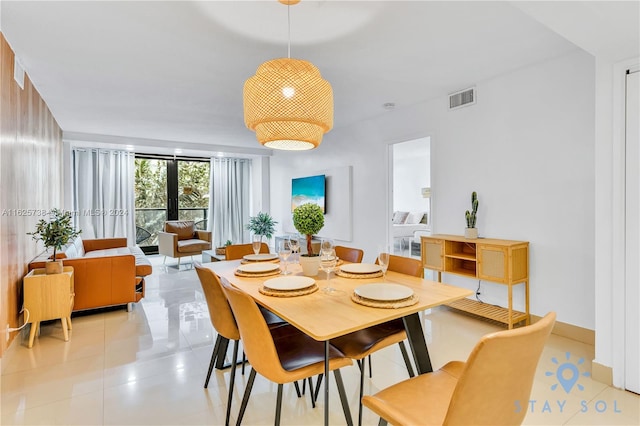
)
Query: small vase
[
  {"x": 53, "y": 267},
  {"x": 310, "y": 265},
  {"x": 471, "y": 233}
]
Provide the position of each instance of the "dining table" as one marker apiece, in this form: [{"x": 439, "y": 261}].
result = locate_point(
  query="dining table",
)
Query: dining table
[{"x": 327, "y": 315}]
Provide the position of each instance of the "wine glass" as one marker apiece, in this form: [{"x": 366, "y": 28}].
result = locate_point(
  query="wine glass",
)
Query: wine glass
[
  {"x": 284, "y": 250},
  {"x": 328, "y": 262},
  {"x": 325, "y": 246},
  {"x": 383, "y": 260},
  {"x": 294, "y": 243},
  {"x": 257, "y": 243}
]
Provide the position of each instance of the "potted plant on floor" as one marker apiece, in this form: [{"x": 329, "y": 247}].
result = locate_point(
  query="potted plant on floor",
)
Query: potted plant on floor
[
  {"x": 262, "y": 224},
  {"x": 308, "y": 219},
  {"x": 55, "y": 232},
  {"x": 471, "y": 231}
]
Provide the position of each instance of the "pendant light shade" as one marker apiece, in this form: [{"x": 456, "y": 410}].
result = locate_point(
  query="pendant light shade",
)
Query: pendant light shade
[{"x": 288, "y": 104}]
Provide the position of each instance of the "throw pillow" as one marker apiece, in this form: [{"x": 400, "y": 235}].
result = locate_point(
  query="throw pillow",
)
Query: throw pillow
[
  {"x": 413, "y": 218},
  {"x": 400, "y": 217}
]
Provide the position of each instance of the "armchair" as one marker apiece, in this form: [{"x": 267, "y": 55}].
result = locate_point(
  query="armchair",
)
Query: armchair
[{"x": 181, "y": 238}]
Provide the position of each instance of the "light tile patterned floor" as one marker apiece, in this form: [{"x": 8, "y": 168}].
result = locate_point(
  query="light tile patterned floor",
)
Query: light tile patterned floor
[{"x": 148, "y": 367}]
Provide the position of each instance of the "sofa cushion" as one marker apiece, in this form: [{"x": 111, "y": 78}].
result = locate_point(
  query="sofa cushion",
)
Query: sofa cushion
[
  {"x": 143, "y": 266},
  {"x": 184, "y": 228},
  {"x": 193, "y": 246}
]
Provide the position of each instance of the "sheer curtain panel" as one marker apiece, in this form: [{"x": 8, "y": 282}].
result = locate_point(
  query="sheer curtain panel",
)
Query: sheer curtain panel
[
  {"x": 103, "y": 201},
  {"x": 230, "y": 198}
]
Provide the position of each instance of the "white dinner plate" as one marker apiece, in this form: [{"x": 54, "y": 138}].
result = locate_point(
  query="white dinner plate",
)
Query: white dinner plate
[
  {"x": 260, "y": 256},
  {"x": 258, "y": 267},
  {"x": 360, "y": 268},
  {"x": 291, "y": 282},
  {"x": 384, "y": 291}
]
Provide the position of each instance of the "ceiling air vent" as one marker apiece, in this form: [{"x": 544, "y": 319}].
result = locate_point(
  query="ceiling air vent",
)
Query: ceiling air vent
[{"x": 462, "y": 98}]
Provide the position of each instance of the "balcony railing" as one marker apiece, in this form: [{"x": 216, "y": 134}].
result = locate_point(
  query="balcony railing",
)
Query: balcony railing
[{"x": 149, "y": 221}]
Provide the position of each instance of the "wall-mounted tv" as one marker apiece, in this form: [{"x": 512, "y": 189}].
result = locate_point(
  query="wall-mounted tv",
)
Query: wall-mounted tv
[{"x": 310, "y": 189}]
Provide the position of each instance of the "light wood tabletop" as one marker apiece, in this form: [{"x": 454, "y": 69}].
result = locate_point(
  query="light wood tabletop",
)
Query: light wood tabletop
[{"x": 324, "y": 316}]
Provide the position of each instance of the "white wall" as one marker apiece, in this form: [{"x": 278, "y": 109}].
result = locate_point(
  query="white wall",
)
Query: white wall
[
  {"x": 411, "y": 173},
  {"x": 526, "y": 147}
]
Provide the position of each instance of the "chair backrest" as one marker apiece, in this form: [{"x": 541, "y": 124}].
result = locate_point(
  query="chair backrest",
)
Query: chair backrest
[
  {"x": 184, "y": 228},
  {"x": 256, "y": 338},
  {"x": 405, "y": 265},
  {"x": 349, "y": 254},
  {"x": 499, "y": 372},
  {"x": 219, "y": 309},
  {"x": 238, "y": 251}
]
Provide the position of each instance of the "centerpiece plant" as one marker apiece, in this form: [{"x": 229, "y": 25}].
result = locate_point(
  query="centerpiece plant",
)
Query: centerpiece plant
[{"x": 308, "y": 219}]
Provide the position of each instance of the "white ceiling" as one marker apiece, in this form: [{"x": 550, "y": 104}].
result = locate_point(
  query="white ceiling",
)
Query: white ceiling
[{"x": 174, "y": 71}]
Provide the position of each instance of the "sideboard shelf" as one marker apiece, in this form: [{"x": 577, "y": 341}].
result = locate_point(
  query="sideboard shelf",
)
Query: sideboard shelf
[{"x": 503, "y": 262}]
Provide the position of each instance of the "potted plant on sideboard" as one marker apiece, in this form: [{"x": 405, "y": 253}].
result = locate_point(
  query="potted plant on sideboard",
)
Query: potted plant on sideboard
[
  {"x": 308, "y": 219},
  {"x": 55, "y": 232},
  {"x": 471, "y": 231}
]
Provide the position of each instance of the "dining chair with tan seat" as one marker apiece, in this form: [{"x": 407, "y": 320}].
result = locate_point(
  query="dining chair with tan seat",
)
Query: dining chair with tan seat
[
  {"x": 225, "y": 324},
  {"x": 484, "y": 390},
  {"x": 283, "y": 355},
  {"x": 360, "y": 344},
  {"x": 349, "y": 254},
  {"x": 238, "y": 251}
]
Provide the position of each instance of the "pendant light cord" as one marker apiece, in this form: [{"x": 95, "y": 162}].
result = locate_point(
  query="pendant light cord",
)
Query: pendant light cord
[{"x": 289, "y": 30}]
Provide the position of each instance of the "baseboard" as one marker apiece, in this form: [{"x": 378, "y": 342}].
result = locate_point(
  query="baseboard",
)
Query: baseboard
[
  {"x": 602, "y": 373},
  {"x": 573, "y": 332}
]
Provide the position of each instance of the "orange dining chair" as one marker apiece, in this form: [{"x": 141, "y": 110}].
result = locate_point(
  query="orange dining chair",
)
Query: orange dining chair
[
  {"x": 360, "y": 344},
  {"x": 482, "y": 391},
  {"x": 283, "y": 355},
  {"x": 349, "y": 254},
  {"x": 238, "y": 251},
  {"x": 225, "y": 324}
]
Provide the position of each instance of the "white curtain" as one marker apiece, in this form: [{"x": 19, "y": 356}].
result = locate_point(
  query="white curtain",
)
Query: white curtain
[
  {"x": 229, "y": 201},
  {"x": 103, "y": 189}
]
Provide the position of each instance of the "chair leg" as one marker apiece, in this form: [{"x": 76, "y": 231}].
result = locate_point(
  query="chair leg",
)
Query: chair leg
[
  {"x": 313, "y": 400},
  {"x": 245, "y": 397},
  {"x": 382, "y": 422},
  {"x": 295, "y": 384},
  {"x": 407, "y": 362},
  {"x": 213, "y": 360},
  {"x": 232, "y": 381},
  {"x": 278, "y": 405},
  {"x": 370, "y": 369},
  {"x": 244, "y": 361},
  {"x": 343, "y": 397},
  {"x": 179, "y": 263},
  {"x": 364, "y": 361},
  {"x": 317, "y": 391}
]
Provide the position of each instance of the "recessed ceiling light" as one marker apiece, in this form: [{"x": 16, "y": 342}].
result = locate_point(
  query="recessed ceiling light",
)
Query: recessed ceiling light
[
  {"x": 129, "y": 147},
  {"x": 389, "y": 105},
  {"x": 178, "y": 151}
]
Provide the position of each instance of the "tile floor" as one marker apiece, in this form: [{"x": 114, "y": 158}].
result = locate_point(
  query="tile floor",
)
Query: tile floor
[{"x": 148, "y": 367}]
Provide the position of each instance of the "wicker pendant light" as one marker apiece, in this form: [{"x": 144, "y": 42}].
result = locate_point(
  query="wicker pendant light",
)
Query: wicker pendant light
[{"x": 288, "y": 103}]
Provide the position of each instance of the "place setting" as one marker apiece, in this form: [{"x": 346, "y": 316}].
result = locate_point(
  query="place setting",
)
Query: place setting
[
  {"x": 257, "y": 269},
  {"x": 359, "y": 270},
  {"x": 384, "y": 295},
  {"x": 288, "y": 286}
]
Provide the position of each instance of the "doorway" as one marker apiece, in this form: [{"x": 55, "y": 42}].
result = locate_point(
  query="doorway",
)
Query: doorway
[
  {"x": 411, "y": 195},
  {"x": 169, "y": 188}
]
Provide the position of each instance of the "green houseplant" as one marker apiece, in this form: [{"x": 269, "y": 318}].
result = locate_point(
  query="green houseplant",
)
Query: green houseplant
[
  {"x": 262, "y": 224},
  {"x": 471, "y": 231},
  {"x": 308, "y": 219},
  {"x": 56, "y": 233}
]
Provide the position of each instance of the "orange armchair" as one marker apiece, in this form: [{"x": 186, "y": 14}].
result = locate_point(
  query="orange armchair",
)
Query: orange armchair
[{"x": 181, "y": 238}]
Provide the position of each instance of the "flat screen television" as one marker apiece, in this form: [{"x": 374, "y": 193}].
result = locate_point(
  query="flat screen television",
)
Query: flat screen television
[{"x": 310, "y": 189}]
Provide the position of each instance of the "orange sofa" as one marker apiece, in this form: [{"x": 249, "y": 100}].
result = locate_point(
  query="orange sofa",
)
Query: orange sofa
[{"x": 106, "y": 271}]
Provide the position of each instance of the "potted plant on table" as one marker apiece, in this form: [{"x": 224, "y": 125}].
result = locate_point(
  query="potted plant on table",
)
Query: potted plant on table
[
  {"x": 55, "y": 232},
  {"x": 262, "y": 224},
  {"x": 308, "y": 219},
  {"x": 471, "y": 231}
]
